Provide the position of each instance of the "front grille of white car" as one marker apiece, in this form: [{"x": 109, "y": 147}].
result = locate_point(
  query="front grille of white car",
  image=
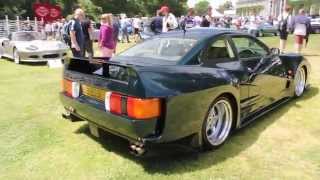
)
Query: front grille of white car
[{"x": 50, "y": 56}]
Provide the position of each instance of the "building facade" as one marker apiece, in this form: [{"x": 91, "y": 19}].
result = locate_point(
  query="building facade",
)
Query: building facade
[
  {"x": 274, "y": 8},
  {"x": 263, "y": 8}
]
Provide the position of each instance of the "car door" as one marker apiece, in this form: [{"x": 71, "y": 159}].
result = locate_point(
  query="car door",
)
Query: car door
[
  {"x": 265, "y": 72},
  {"x": 220, "y": 54}
]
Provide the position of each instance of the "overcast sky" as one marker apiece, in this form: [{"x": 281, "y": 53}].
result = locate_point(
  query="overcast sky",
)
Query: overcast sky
[{"x": 214, "y": 3}]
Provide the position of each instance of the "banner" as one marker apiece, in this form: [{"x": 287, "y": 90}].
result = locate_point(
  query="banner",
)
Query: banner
[{"x": 47, "y": 11}]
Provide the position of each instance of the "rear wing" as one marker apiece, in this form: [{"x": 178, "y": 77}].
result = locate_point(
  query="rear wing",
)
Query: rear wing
[
  {"x": 100, "y": 67},
  {"x": 113, "y": 76}
]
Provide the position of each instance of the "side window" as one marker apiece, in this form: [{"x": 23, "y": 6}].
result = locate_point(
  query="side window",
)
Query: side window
[
  {"x": 219, "y": 51},
  {"x": 248, "y": 48}
]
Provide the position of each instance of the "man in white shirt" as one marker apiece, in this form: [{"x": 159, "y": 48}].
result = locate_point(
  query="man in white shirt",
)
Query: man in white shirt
[{"x": 169, "y": 21}]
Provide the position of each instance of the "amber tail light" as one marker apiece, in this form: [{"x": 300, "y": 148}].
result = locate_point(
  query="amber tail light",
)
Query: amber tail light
[
  {"x": 70, "y": 88},
  {"x": 136, "y": 108}
]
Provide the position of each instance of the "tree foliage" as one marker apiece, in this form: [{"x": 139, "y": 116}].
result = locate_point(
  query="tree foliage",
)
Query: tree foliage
[
  {"x": 95, "y": 8},
  {"x": 227, "y": 5},
  {"x": 201, "y": 7}
]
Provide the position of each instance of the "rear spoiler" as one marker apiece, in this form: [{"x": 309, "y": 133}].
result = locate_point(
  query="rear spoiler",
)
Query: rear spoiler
[
  {"x": 90, "y": 66},
  {"x": 110, "y": 75}
]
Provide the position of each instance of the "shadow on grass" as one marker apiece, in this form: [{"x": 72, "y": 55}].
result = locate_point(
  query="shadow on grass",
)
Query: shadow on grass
[
  {"x": 27, "y": 63},
  {"x": 177, "y": 161}
]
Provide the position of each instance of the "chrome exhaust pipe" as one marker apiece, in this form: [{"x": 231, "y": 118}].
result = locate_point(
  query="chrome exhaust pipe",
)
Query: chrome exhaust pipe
[{"x": 137, "y": 149}]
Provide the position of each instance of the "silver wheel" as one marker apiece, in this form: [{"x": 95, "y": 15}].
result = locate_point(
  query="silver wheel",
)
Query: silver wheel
[
  {"x": 300, "y": 81},
  {"x": 218, "y": 123},
  {"x": 16, "y": 56}
]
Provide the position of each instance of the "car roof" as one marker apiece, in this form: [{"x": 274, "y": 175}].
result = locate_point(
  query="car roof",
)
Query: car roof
[{"x": 199, "y": 33}]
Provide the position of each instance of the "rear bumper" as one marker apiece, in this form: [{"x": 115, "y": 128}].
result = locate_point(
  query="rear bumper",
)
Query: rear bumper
[{"x": 132, "y": 130}]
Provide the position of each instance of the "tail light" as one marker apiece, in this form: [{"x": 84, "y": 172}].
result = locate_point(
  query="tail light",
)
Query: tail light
[
  {"x": 143, "y": 108},
  {"x": 135, "y": 108},
  {"x": 72, "y": 89}
]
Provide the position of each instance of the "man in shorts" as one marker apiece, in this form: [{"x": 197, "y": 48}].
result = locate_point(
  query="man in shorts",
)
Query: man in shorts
[
  {"x": 284, "y": 28},
  {"x": 301, "y": 26}
]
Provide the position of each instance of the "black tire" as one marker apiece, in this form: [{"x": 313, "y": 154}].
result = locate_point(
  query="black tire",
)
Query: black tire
[{"x": 207, "y": 144}]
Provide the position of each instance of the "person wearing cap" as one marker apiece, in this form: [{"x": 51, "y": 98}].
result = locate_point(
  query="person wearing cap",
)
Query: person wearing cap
[{"x": 169, "y": 21}]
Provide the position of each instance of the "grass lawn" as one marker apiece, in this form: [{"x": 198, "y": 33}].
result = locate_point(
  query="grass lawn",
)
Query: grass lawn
[{"x": 37, "y": 143}]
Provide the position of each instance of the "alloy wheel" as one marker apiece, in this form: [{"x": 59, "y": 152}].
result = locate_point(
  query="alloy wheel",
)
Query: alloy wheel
[
  {"x": 219, "y": 122},
  {"x": 300, "y": 81}
]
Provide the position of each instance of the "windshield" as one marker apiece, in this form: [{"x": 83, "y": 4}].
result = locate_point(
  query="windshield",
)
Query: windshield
[
  {"x": 26, "y": 36},
  {"x": 168, "y": 49}
]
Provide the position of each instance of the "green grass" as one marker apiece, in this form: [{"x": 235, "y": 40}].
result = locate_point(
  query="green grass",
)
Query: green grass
[{"x": 37, "y": 143}]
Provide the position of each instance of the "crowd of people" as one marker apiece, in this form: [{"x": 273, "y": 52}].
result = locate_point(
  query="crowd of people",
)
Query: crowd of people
[{"x": 79, "y": 32}]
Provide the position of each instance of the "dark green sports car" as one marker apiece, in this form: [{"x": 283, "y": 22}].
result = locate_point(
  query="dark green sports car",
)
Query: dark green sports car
[{"x": 195, "y": 86}]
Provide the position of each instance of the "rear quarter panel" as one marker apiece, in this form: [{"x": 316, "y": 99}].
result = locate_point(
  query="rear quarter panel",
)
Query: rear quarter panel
[{"x": 189, "y": 92}]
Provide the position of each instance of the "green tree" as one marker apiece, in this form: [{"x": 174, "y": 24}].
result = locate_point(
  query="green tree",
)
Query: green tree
[
  {"x": 201, "y": 7},
  {"x": 95, "y": 8},
  {"x": 225, "y": 6}
]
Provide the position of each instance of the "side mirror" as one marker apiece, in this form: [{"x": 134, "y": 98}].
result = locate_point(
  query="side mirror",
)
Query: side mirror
[{"x": 275, "y": 51}]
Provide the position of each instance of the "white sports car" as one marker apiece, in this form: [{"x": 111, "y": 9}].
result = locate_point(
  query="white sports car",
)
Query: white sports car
[{"x": 29, "y": 46}]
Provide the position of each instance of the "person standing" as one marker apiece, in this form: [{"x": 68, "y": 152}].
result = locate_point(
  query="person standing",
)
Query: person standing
[
  {"x": 76, "y": 33},
  {"x": 48, "y": 30},
  {"x": 254, "y": 22},
  {"x": 124, "y": 29},
  {"x": 169, "y": 21},
  {"x": 284, "y": 28},
  {"x": 87, "y": 32},
  {"x": 136, "y": 23},
  {"x": 205, "y": 22},
  {"x": 106, "y": 41},
  {"x": 156, "y": 23},
  {"x": 189, "y": 20},
  {"x": 210, "y": 17},
  {"x": 116, "y": 30},
  {"x": 301, "y": 26}
]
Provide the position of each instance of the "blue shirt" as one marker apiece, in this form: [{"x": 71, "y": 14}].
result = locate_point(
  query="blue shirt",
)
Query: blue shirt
[{"x": 77, "y": 28}]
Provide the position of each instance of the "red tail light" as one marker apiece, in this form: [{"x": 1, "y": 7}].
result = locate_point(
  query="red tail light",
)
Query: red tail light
[
  {"x": 135, "y": 108},
  {"x": 115, "y": 103}
]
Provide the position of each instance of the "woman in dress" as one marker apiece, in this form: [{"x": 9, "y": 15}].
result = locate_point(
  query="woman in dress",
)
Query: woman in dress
[{"x": 106, "y": 41}]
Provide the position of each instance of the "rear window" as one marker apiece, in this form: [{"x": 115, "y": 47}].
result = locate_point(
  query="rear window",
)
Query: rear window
[{"x": 168, "y": 49}]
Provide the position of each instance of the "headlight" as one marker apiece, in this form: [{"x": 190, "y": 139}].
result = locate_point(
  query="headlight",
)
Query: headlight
[{"x": 32, "y": 48}]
